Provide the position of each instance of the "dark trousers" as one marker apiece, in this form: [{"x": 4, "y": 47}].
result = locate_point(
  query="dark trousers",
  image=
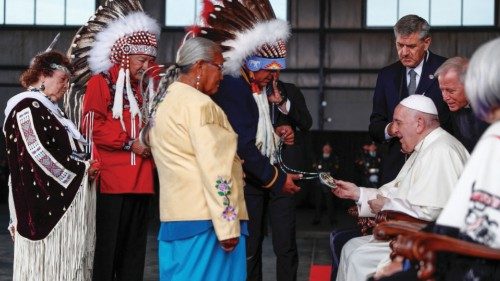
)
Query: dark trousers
[
  {"x": 121, "y": 233},
  {"x": 323, "y": 196},
  {"x": 281, "y": 210},
  {"x": 338, "y": 238}
]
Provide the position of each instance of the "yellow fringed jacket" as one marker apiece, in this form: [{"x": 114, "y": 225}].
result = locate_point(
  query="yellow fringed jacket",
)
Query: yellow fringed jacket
[{"x": 194, "y": 148}]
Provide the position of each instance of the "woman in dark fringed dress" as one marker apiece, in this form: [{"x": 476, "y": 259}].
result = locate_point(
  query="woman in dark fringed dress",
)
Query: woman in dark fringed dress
[{"x": 51, "y": 198}]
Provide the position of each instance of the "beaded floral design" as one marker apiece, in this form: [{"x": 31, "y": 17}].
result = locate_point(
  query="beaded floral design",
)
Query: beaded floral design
[{"x": 224, "y": 189}]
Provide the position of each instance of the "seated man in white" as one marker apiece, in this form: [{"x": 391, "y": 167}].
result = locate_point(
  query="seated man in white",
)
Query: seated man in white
[{"x": 421, "y": 188}]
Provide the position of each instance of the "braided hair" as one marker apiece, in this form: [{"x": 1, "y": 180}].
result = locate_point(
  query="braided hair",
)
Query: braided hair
[{"x": 191, "y": 51}]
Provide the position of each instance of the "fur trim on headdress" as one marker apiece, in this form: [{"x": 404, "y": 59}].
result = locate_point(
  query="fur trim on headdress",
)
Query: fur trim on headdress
[
  {"x": 248, "y": 42},
  {"x": 100, "y": 55},
  {"x": 244, "y": 28},
  {"x": 84, "y": 43}
]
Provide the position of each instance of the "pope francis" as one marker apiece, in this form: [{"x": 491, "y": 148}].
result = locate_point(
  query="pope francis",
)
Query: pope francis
[{"x": 421, "y": 188}]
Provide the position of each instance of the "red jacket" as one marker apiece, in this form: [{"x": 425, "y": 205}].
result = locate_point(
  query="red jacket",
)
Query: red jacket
[{"x": 117, "y": 174}]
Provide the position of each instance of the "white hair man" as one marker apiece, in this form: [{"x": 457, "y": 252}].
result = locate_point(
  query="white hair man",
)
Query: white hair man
[
  {"x": 466, "y": 127},
  {"x": 420, "y": 189}
]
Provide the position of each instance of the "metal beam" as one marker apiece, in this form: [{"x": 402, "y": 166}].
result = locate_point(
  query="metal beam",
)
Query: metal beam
[
  {"x": 321, "y": 71},
  {"x": 10, "y": 85},
  {"x": 332, "y": 70},
  {"x": 371, "y": 30},
  {"x": 7, "y": 67},
  {"x": 338, "y": 88}
]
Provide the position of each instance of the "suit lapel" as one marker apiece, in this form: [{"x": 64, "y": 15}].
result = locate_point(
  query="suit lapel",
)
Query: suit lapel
[
  {"x": 400, "y": 84},
  {"x": 427, "y": 78}
]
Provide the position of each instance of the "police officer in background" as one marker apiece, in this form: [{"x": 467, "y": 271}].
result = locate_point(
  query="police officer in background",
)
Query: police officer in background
[
  {"x": 368, "y": 164},
  {"x": 328, "y": 162}
]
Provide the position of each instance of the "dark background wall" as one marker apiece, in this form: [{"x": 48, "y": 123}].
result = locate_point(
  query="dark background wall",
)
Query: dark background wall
[{"x": 332, "y": 57}]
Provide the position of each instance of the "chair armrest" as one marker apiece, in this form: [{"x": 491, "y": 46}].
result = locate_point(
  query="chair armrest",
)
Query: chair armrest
[
  {"x": 388, "y": 231},
  {"x": 391, "y": 229},
  {"x": 424, "y": 247}
]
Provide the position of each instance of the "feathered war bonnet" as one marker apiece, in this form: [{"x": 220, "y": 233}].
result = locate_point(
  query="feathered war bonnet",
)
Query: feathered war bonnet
[
  {"x": 248, "y": 32},
  {"x": 134, "y": 34},
  {"x": 117, "y": 30}
]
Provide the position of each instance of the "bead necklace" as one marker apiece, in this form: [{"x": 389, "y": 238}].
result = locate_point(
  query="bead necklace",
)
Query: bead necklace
[{"x": 325, "y": 178}]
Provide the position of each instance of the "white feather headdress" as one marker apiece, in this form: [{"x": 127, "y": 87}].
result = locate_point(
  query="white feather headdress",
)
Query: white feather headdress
[
  {"x": 101, "y": 56},
  {"x": 244, "y": 28},
  {"x": 118, "y": 28}
]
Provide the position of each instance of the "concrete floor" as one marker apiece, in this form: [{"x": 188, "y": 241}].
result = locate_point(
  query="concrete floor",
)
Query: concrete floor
[{"x": 312, "y": 242}]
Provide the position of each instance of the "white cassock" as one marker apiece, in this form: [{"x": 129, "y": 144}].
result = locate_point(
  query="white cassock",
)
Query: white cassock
[
  {"x": 421, "y": 189},
  {"x": 474, "y": 206}
]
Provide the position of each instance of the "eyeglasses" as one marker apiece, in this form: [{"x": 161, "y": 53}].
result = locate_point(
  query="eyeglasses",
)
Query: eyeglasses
[{"x": 219, "y": 66}]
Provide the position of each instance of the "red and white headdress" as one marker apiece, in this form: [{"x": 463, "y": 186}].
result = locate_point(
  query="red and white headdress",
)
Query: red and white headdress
[
  {"x": 118, "y": 29},
  {"x": 133, "y": 34}
]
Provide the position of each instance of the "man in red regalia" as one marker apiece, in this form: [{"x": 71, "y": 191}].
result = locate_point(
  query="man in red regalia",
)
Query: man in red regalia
[{"x": 112, "y": 119}]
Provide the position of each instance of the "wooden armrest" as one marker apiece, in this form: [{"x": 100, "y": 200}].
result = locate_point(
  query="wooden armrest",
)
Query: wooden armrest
[
  {"x": 388, "y": 231},
  {"x": 388, "y": 215},
  {"x": 424, "y": 246},
  {"x": 366, "y": 224},
  {"x": 391, "y": 229},
  {"x": 442, "y": 243}
]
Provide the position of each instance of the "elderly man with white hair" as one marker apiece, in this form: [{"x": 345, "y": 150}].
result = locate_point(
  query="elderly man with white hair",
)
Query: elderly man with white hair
[
  {"x": 466, "y": 127},
  {"x": 420, "y": 189}
]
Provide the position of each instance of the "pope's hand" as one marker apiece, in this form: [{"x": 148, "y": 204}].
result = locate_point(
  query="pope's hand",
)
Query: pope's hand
[
  {"x": 346, "y": 190},
  {"x": 377, "y": 204}
]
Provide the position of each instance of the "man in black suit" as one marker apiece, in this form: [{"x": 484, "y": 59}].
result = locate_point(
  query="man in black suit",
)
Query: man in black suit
[
  {"x": 467, "y": 128},
  {"x": 412, "y": 74},
  {"x": 287, "y": 107}
]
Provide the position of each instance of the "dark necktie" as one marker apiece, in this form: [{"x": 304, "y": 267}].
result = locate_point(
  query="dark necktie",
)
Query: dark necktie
[
  {"x": 412, "y": 87},
  {"x": 466, "y": 126}
]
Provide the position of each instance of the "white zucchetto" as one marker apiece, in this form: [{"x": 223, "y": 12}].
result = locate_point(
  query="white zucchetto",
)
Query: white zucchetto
[{"x": 420, "y": 103}]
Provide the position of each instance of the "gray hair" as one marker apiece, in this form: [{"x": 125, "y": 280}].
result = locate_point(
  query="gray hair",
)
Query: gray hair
[
  {"x": 457, "y": 64},
  {"x": 410, "y": 24},
  {"x": 191, "y": 51},
  {"x": 430, "y": 120},
  {"x": 482, "y": 83}
]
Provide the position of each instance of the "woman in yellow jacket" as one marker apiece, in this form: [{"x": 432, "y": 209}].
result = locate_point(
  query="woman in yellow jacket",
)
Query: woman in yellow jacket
[{"x": 202, "y": 209}]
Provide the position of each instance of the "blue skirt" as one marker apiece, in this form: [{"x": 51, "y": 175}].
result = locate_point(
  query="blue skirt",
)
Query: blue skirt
[{"x": 201, "y": 258}]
